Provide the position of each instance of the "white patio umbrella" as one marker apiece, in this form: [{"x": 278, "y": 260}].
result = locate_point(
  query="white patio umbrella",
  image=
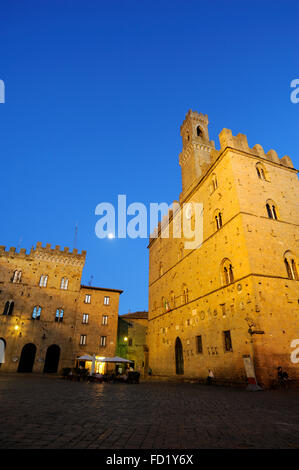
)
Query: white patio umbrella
[
  {"x": 87, "y": 357},
  {"x": 116, "y": 359}
]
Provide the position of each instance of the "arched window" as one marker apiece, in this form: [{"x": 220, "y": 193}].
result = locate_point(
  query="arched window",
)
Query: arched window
[
  {"x": 11, "y": 306},
  {"x": 181, "y": 252},
  {"x": 59, "y": 315},
  {"x": 199, "y": 131},
  {"x": 8, "y": 307},
  {"x": 36, "y": 313},
  {"x": 43, "y": 280},
  {"x": 179, "y": 357},
  {"x": 17, "y": 275},
  {"x": 214, "y": 182},
  {"x": 272, "y": 210},
  {"x": 291, "y": 266},
  {"x": 227, "y": 272},
  {"x": 261, "y": 172},
  {"x": 218, "y": 219},
  {"x": 172, "y": 299},
  {"x": 185, "y": 294},
  {"x": 160, "y": 269},
  {"x": 64, "y": 283}
]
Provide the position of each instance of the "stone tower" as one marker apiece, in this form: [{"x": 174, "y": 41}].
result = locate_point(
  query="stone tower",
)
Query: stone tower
[
  {"x": 237, "y": 295},
  {"x": 197, "y": 148}
]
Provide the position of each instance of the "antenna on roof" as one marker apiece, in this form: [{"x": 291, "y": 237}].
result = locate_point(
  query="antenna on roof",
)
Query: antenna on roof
[
  {"x": 90, "y": 280},
  {"x": 76, "y": 235}
]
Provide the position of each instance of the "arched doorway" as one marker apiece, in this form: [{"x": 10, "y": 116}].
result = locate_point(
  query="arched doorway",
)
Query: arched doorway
[
  {"x": 2, "y": 350},
  {"x": 179, "y": 358},
  {"x": 27, "y": 358},
  {"x": 52, "y": 359}
]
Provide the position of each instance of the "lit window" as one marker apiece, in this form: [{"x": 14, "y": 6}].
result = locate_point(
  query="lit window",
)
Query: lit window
[
  {"x": 87, "y": 299},
  {"x": 83, "y": 340},
  {"x": 106, "y": 300},
  {"x": 105, "y": 320},
  {"x": 43, "y": 280},
  {"x": 17, "y": 275},
  {"x": 85, "y": 318},
  {"x": 103, "y": 341},
  {"x": 36, "y": 313},
  {"x": 59, "y": 315},
  {"x": 64, "y": 283}
]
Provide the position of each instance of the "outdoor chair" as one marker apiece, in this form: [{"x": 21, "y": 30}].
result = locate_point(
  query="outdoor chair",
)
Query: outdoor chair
[{"x": 133, "y": 377}]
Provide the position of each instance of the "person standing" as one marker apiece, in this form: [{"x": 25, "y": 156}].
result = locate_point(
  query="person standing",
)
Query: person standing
[
  {"x": 282, "y": 377},
  {"x": 210, "y": 377}
]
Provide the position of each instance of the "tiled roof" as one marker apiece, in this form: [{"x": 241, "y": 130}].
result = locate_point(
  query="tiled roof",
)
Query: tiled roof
[
  {"x": 136, "y": 315},
  {"x": 101, "y": 288}
]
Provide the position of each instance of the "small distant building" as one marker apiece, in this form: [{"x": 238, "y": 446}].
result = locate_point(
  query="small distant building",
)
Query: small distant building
[
  {"x": 48, "y": 319},
  {"x": 132, "y": 339}
]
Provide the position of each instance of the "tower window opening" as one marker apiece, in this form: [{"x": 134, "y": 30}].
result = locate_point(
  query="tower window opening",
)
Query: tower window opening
[{"x": 199, "y": 131}]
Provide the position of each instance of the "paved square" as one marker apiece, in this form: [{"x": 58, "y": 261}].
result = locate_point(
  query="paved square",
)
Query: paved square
[{"x": 48, "y": 412}]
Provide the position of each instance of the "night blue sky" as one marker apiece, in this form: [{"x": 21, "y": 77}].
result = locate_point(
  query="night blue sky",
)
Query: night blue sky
[{"x": 96, "y": 92}]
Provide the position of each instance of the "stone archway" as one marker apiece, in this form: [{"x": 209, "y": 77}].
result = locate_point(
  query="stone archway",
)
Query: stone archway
[
  {"x": 27, "y": 358},
  {"x": 52, "y": 359},
  {"x": 179, "y": 358}
]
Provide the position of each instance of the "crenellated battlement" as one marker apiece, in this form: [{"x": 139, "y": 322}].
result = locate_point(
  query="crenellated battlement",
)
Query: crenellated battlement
[
  {"x": 199, "y": 155},
  {"x": 46, "y": 253},
  {"x": 239, "y": 142},
  {"x": 172, "y": 211},
  {"x": 195, "y": 118}
]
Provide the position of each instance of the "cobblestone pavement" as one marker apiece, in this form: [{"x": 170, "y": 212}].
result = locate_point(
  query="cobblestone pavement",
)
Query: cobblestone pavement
[{"x": 48, "y": 412}]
